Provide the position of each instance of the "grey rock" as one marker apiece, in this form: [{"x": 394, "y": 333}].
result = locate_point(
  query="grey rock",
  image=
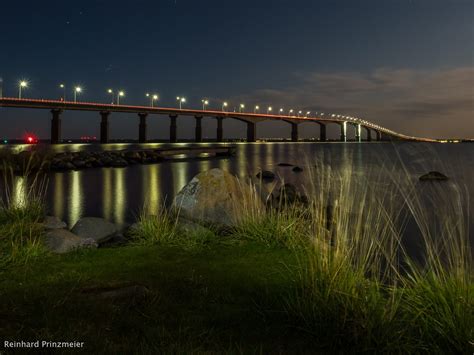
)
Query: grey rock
[
  {"x": 62, "y": 241},
  {"x": 433, "y": 176},
  {"x": 266, "y": 175},
  {"x": 53, "y": 222},
  {"x": 214, "y": 197},
  {"x": 98, "y": 229}
]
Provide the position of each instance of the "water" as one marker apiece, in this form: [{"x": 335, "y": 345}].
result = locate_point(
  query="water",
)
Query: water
[{"x": 118, "y": 194}]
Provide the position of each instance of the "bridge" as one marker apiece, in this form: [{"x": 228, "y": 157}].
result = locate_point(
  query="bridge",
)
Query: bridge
[{"x": 58, "y": 107}]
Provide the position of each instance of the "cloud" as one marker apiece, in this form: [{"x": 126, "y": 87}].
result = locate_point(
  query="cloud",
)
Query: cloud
[{"x": 432, "y": 103}]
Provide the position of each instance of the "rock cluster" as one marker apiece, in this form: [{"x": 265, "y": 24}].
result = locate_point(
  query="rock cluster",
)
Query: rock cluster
[
  {"x": 84, "y": 160},
  {"x": 88, "y": 232}
]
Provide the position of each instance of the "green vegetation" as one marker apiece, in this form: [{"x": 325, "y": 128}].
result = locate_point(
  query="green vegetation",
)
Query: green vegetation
[
  {"x": 329, "y": 275},
  {"x": 21, "y": 213}
]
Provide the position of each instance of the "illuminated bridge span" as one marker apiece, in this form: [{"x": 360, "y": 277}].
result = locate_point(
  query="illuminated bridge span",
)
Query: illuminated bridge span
[{"x": 362, "y": 128}]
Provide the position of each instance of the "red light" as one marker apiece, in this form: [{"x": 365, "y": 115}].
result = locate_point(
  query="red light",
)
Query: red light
[{"x": 30, "y": 138}]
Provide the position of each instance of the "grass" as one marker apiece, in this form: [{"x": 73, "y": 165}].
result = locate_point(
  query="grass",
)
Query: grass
[
  {"x": 330, "y": 275},
  {"x": 219, "y": 299},
  {"x": 21, "y": 212}
]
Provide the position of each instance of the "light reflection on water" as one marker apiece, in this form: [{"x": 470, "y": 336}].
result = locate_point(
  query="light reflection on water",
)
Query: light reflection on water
[{"x": 118, "y": 194}]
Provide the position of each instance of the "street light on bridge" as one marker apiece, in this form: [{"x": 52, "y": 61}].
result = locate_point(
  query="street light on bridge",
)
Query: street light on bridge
[
  {"x": 153, "y": 98},
  {"x": 111, "y": 92},
  {"x": 281, "y": 111},
  {"x": 307, "y": 113},
  {"x": 181, "y": 101},
  {"x": 256, "y": 109},
  {"x": 205, "y": 102},
  {"x": 224, "y": 105},
  {"x": 290, "y": 112},
  {"x": 77, "y": 91},
  {"x": 63, "y": 87},
  {"x": 119, "y": 95},
  {"x": 241, "y": 107},
  {"x": 23, "y": 84},
  {"x": 269, "y": 110}
]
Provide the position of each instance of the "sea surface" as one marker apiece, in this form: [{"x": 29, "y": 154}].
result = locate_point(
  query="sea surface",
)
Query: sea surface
[{"x": 119, "y": 194}]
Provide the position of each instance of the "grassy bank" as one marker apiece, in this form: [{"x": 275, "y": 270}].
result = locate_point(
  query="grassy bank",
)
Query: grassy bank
[
  {"x": 223, "y": 298},
  {"x": 332, "y": 274}
]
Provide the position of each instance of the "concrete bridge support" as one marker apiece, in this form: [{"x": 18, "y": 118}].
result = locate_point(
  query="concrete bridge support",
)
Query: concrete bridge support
[
  {"x": 343, "y": 131},
  {"x": 357, "y": 132},
  {"x": 198, "y": 130},
  {"x": 173, "y": 129},
  {"x": 251, "y": 131},
  {"x": 104, "y": 127},
  {"x": 369, "y": 134},
  {"x": 142, "y": 129},
  {"x": 294, "y": 132},
  {"x": 56, "y": 127},
  {"x": 220, "y": 129},
  {"x": 322, "y": 132}
]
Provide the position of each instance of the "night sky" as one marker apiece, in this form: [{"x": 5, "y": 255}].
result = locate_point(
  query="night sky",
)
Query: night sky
[{"x": 404, "y": 64}]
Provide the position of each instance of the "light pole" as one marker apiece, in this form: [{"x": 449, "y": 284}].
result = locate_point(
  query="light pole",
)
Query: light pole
[
  {"x": 204, "y": 103},
  {"x": 153, "y": 98},
  {"x": 181, "y": 101},
  {"x": 307, "y": 113},
  {"x": 256, "y": 109},
  {"x": 290, "y": 112},
  {"x": 77, "y": 90},
  {"x": 299, "y": 113},
  {"x": 241, "y": 107},
  {"x": 269, "y": 110},
  {"x": 224, "y": 105},
  {"x": 22, "y": 84},
  {"x": 281, "y": 111},
  {"x": 62, "y": 86},
  {"x": 119, "y": 95},
  {"x": 111, "y": 92}
]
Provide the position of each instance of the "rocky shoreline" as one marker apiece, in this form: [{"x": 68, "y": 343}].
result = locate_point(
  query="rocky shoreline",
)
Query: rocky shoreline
[{"x": 44, "y": 160}]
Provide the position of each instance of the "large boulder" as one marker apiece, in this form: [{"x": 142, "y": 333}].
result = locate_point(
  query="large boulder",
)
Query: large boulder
[
  {"x": 62, "y": 241},
  {"x": 214, "y": 197},
  {"x": 98, "y": 229}
]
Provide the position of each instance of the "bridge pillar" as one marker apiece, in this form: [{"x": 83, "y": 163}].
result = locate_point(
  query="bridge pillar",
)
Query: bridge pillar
[
  {"x": 379, "y": 135},
  {"x": 322, "y": 132},
  {"x": 343, "y": 131},
  {"x": 198, "y": 131},
  {"x": 369, "y": 134},
  {"x": 251, "y": 131},
  {"x": 142, "y": 129},
  {"x": 294, "y": 132},
  {"x": 173, "y": 129},
  {"x": 357, "y": 133},
  {"x": 104, "y": 127},
  {"x": 56, "y": 127}
]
